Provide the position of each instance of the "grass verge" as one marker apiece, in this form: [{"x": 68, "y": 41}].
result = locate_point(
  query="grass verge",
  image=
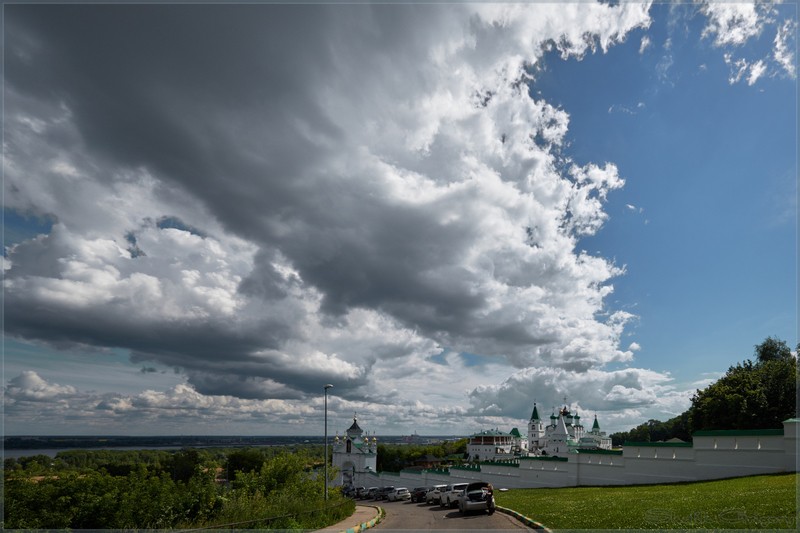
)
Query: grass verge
[{"x": 756, "y": 502}]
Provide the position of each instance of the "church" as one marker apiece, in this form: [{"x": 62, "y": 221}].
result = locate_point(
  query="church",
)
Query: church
[
  {"x": 564, "y": 434},
  {"x": 354, "y": 454}
]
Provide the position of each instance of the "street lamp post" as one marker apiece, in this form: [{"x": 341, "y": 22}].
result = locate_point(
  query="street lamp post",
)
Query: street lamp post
[{"x": 328, "y": 386}]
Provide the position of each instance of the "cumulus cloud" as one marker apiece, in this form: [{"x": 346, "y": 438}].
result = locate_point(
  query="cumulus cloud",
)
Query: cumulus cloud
[
  {"x": 609, "y": 393},
  {"x": 29, "y": 386},
  {"x": 733, "y": 24},
  {"x": 358, "y": 194},
  {"x": 29, "y": 397}
]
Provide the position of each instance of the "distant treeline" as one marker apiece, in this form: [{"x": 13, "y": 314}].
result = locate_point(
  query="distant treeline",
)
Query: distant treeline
[
  {"x": 754, "y": 394},
  {"x": 23, "y": 442},
  {"x": 100, "y": 441},
  {"x": 396, "y": 457}
]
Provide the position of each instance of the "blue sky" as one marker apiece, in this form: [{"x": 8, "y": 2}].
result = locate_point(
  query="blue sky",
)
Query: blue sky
[
  {"x": 362, "y": 195},
  {"x": 706, "y": 222}
]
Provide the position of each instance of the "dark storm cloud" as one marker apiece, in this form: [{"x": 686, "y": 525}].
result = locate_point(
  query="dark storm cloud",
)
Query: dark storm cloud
[
  {"x": 319, "y": 194},
  {"x": 171, "y": 87}
]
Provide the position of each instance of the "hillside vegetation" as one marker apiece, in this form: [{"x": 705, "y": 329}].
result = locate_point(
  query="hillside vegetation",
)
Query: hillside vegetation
[
  {"x": 158, "y": 489},
  {"x": 757, "y": 502},
  {"x": 755, "y": 394}
]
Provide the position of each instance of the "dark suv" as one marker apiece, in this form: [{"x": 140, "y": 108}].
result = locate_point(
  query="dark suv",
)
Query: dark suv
[{"x": 418, "y": 494}]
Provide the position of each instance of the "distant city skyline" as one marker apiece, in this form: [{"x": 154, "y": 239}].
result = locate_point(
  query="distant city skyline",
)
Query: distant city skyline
[{"x": 446, "y": 210}]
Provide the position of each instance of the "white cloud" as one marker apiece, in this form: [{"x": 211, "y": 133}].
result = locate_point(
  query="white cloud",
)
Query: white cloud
[
  {"x": 732, "y": 23},
  {"x": 645, "y": 44},
  {"x": 29, "y": 386},
  {"x": 782, "y": 51},
  {"x": 371, "y": 218},
  {"x": 757, "y": 69}
]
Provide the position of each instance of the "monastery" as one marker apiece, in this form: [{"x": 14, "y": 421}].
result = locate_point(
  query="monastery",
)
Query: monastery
[
  {"x": 563, "y": 454},
  {"x": 564, "y": 434}
]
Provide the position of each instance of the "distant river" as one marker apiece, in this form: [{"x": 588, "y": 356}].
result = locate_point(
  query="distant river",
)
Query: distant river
[{"x": 51, "y": 452}]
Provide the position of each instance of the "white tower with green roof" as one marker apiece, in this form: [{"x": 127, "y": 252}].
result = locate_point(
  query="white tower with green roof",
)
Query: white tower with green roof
[
  {"x": 354, "y": 454},
  {"x": 536, "y": 433}
]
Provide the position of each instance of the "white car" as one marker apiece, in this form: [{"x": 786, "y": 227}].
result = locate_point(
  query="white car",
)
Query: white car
[
  {"x": 451, "y": 497},
  {"x": 435, "y": 494},
  {"x": 400, "y": 493}
]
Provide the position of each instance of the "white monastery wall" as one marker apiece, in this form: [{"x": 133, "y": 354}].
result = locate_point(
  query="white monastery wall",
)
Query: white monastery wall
[{"x": 716, "y": 455}]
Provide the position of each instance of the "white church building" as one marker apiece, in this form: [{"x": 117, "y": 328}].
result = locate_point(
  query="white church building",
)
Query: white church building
[
  {"x": 354, "y": 454},
  {"x": 564, "y": 434}
]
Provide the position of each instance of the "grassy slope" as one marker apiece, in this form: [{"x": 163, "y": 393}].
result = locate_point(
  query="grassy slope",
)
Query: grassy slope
[{"x": 758, "y": 502}]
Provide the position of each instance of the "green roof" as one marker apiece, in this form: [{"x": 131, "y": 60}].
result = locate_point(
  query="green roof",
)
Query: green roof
[
  {"x": 600, "y": 452},
  {"x": 466, "y": 467},
  {"x": 515, "y": 432},
  {"x": 737, "y": 432},
  {"x": 545, "y": 458},
  {"x": 596, "y": 425},
  {"x": 535, "y": 413},
  {"x": 660, "y": 444}
]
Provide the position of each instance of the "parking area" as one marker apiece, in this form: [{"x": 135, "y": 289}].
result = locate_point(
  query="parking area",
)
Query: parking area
[{"x": 405, "y": 516}]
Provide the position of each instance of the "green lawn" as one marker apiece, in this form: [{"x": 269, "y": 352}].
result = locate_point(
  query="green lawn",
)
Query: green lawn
[{"x": 757, "y": 502}]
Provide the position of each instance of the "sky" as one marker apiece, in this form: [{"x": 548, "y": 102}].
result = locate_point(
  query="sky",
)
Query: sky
[{"x": 447, "y": 211}]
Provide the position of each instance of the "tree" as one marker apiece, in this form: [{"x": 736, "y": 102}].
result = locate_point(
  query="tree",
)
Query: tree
[
  {"x": 751, "y": 395},
  {"x": 758, "y": 395},
  {"x": 772, "y": 349},
  {"x": 185, "y": 464}
]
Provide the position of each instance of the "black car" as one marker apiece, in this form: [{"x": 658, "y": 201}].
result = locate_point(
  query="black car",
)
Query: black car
[
  {"x": 418, "y": 494},
  {"x": 382, "y": 492}
]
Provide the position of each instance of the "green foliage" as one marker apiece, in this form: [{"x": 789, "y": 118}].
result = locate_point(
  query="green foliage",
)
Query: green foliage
[
  {"x": 772, "y": 349},
  {"x": 395, "y": 457},
  {"x": 748, "y": 396},
  {"x": 751, "y": 395},
  {"x": 750, "y": 503},
  {"x": 184, "y": 464},
  {"x": 654, "y": 431},
  {"x": 163, "y": 490},
  {"x": 246, "y": 460}
]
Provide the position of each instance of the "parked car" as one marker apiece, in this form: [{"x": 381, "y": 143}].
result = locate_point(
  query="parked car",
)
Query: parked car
[
  {"x": 474, "y": 498},
  {"x": 383, "y": 492},
  {"x": 434, "y": 495},
  {"x": 356, "y": 492},
  {"x": 418, "y": 494},
  {"x": 361, "y": 492},
  {"x": 400, "y": 493},
  {"x": 450, "y": 498},
  {"x": 372, "y": 493}
]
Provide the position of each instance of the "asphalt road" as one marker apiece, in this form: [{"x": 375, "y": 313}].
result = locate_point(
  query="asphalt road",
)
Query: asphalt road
[{"x": 407, "y": 516}]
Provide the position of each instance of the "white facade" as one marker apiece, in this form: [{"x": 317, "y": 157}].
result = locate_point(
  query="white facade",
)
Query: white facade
[
  {"x": 711, "y": 455},
  {"x": 491, "y": 445},
  {"x": 563, "y": 434},
  {"x": 354, "y": 455}
]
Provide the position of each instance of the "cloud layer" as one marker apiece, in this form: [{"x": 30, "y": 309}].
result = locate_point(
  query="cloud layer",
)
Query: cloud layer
[{"x": 365, "y": 195}]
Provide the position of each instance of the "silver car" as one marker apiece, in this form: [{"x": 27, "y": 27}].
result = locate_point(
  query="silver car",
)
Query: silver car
[{"x": 475, "y": 498}]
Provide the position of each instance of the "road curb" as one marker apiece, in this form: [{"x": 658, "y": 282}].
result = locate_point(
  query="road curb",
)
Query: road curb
[
  {"x": 524, "y": 519},
  {"x": 366, "y": 525}
]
